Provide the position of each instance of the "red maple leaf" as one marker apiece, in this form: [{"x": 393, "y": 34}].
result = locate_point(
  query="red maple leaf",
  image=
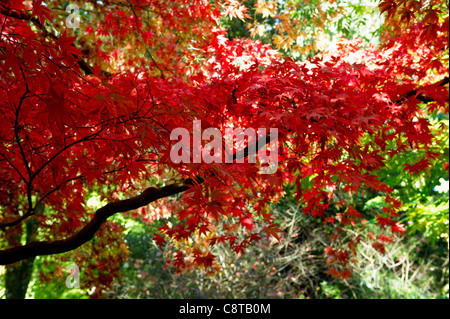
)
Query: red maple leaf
[
  {"x": 159, "y": 240},
  {"x": 273, "y": 231}
]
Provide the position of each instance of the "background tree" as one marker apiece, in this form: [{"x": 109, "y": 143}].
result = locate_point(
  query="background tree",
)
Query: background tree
[
  {"x": 301, "y": 29},
  {"x": 96, "y": 111}
]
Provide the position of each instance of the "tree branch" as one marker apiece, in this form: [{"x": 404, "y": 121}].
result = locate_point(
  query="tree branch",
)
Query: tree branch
[
  {"x": 149, "y": 195},
  {"x": 33, "y": 249},
  {"x": 21, "y": 15},
  {"x": 421, "y": 97}
]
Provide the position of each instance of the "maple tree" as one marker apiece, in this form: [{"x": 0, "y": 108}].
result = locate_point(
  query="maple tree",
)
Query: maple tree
[
  {"x": 97, "y": 107},
  {"x": 301, "y": 29}
]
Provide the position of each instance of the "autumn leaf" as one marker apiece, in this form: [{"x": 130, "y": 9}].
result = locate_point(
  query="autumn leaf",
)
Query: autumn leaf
[
  {"x": 272, "y": 231},
  {"x": 159, "y": 240}
]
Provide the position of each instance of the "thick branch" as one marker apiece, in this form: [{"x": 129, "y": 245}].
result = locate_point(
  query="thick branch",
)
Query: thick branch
[{"x": 33, "y": 249}]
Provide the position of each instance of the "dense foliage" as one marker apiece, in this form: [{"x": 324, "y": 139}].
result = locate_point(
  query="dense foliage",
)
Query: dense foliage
[{"x": 87, "y": 114}]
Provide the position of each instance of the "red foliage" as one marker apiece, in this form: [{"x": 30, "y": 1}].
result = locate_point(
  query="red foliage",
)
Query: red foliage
[{"x": 64, "y": 128}]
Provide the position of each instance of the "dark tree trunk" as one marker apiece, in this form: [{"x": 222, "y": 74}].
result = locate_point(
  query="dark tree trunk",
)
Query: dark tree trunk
[
  {"x": 17, "y": 278},
  {"x": 18, "y": 275}
]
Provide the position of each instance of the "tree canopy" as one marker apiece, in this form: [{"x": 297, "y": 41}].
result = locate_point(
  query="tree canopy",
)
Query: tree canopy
[{"x": 96, "y": 105}]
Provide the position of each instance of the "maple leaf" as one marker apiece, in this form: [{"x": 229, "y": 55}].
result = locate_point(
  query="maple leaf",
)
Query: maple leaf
[
  {"x": 380, "y": 247},
  {"x": 272, "y": 230},
  {"x": 179, "y": 260},
  {"x": 388, "y": 6},
  {"x": 353, "y": 212},
  {"x": 234, "y": 9},
  {"x": 159, "y": 240},
  {"x": 41, "y": 12},
  {"x": 266, "y": 8},
  {"x": 398, "y": 228},
  {"x": 66, "y": 45},
  {"x": 238, "y": 249},
  {"x": 247, "y": 223},
  {"x": 416, "y": 168},
  {"x": 385, "y": 238},
  {"x": 215, "y": 240},
  {"x": 384, "y": 221}
]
